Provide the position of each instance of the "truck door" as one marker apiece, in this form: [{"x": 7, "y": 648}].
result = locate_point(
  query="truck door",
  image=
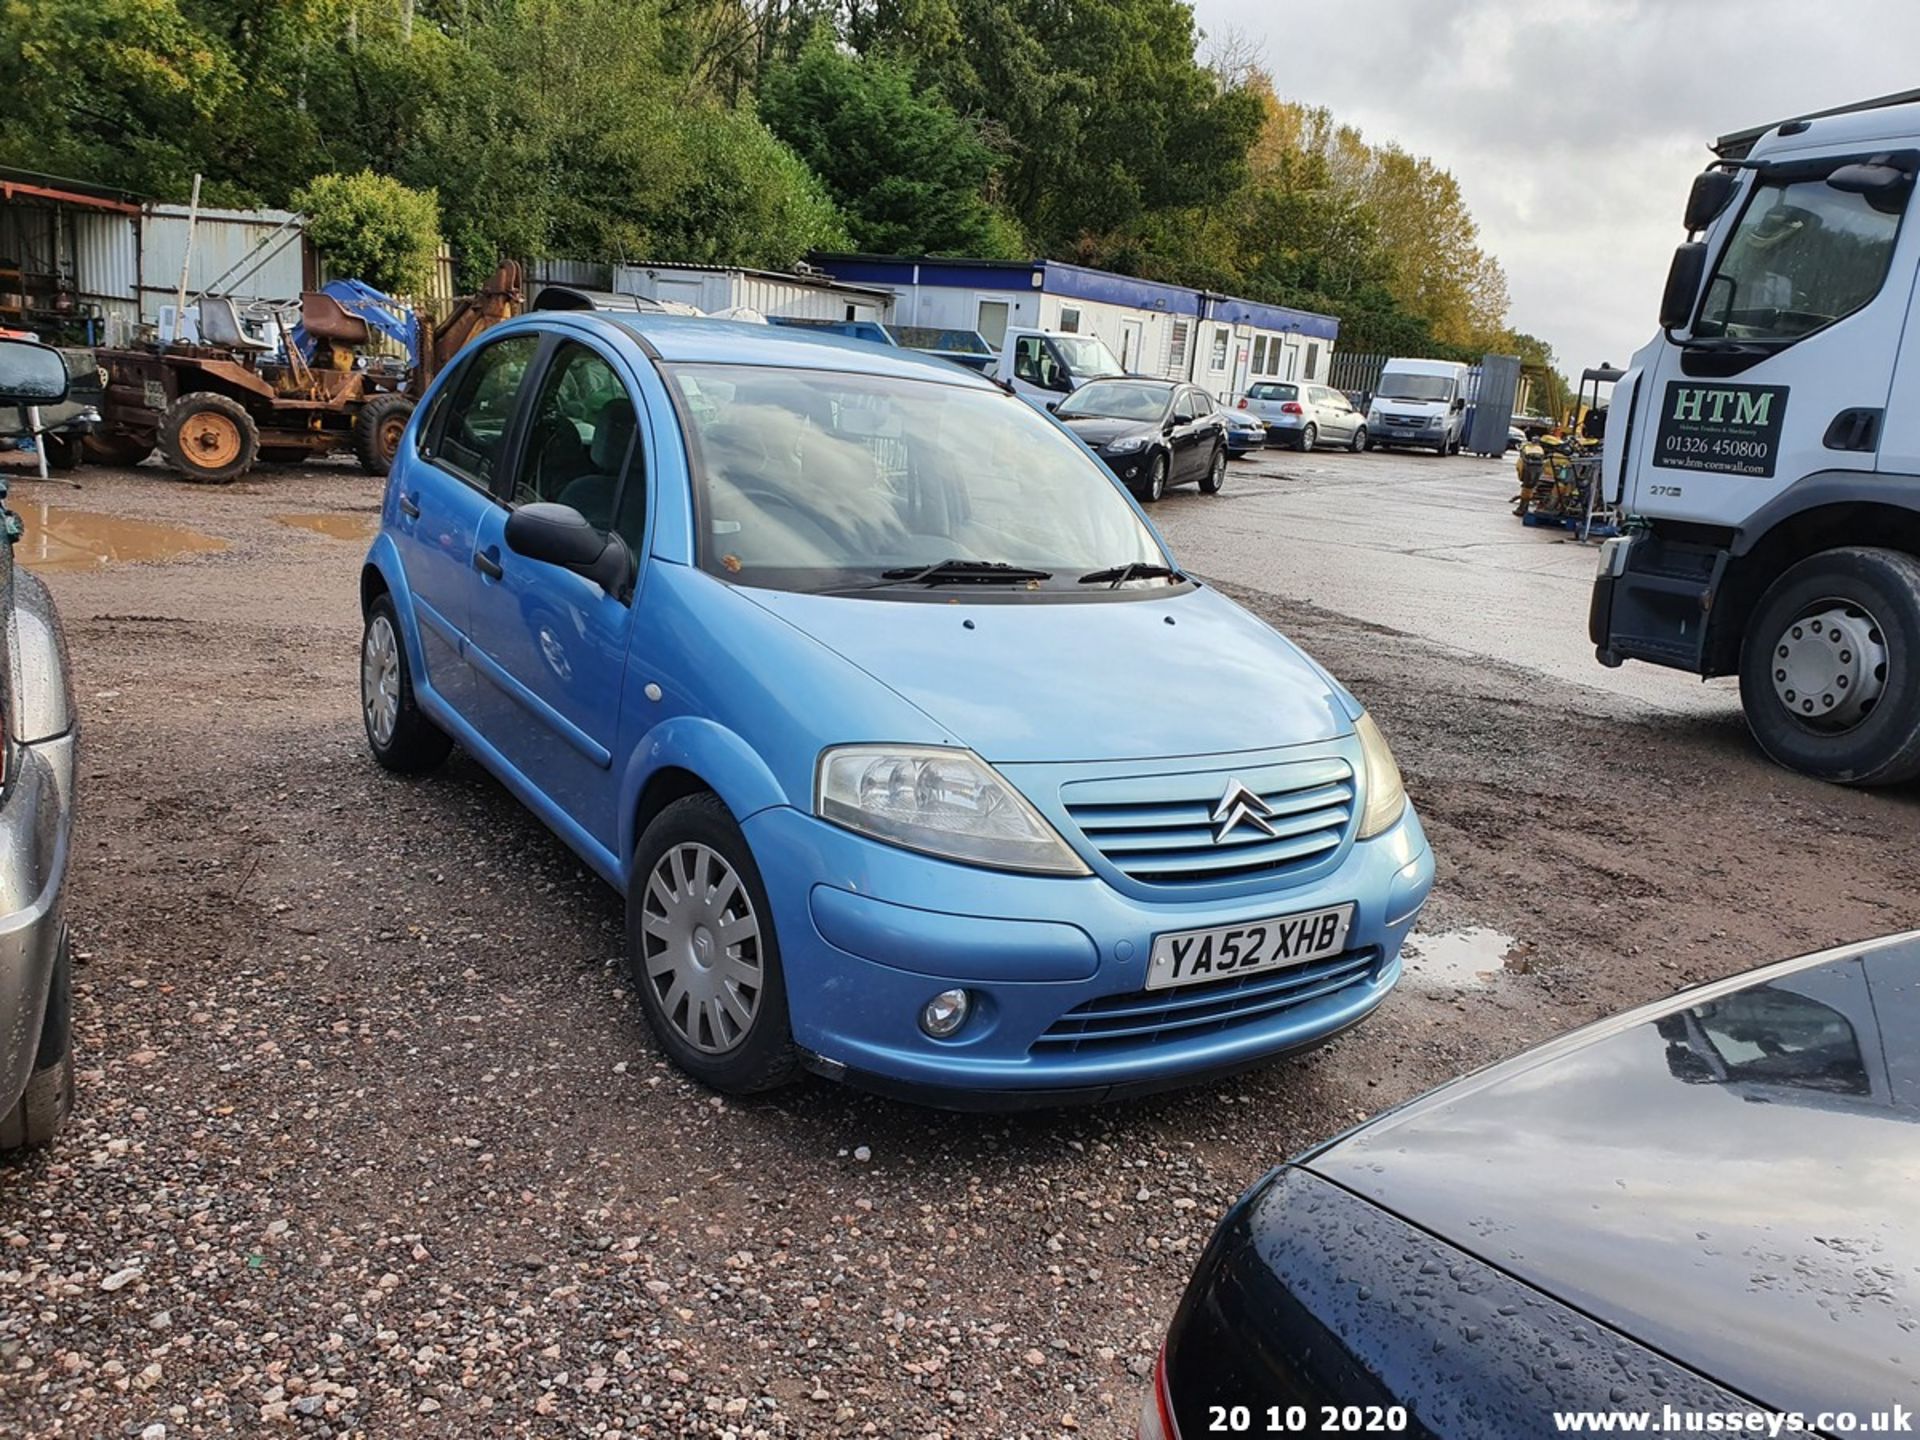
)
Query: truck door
[{"x": 1792, "y": 346}]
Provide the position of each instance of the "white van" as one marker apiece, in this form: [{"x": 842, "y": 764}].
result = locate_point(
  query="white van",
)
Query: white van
[{"x": 1419, "y": 402}]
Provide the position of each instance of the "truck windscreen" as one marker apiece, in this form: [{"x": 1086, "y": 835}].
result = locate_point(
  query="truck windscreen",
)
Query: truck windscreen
[{"x": 1802, "y": 256}]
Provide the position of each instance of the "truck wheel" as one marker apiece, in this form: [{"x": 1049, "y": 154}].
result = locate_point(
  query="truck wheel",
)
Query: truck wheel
[
  {"x": 116, "y": 447},
  {"x": 44, "y": 1105},
  {"x": 1830, "y": 668},
  {"x": 399, "y": 733},
  {"x": 209, "y": 438},
  {"x": 377, "y": 430},
  {"x": 702, "y": 954}
]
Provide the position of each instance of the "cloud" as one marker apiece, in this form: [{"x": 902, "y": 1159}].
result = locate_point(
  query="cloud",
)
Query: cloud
[{"x": 1574, "y": 128}]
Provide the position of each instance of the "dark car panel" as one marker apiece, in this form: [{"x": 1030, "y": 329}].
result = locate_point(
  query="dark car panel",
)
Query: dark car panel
[
  {"x": 1735, "y": 1181},
  {"x": 1186, "y": 432},
  {"x": 1707, "y": 1203},
  {"x": 1311, "y": 1296}
]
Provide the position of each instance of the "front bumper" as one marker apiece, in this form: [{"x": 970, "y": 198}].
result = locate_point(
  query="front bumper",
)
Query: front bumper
[
  {"x": 1131, "y": 466},
  {"x": 869, "y": 933},
  {"x": 36, "y": 830}
]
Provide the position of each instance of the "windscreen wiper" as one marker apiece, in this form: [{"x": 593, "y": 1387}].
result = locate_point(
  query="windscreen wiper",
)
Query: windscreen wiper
[
  {"x": 1116, "y": 576},
  {"x": 963, "y": 572}
]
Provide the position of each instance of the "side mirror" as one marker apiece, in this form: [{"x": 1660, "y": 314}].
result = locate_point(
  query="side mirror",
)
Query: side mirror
[
  {"x": 1053, "y": 406},
  {"x": 561, "y": 535},
  {"x": 1711, "y": 193},
  {"x": 1683, "y": 285},
  {"x": 31, "y": 373},
  {"x": 1459, "y": 402}
]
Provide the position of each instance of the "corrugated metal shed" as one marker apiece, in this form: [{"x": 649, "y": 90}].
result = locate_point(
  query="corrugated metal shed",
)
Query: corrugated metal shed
[
  {"x": 712, "y": 288},
  {"x": 225, "y": 243}
]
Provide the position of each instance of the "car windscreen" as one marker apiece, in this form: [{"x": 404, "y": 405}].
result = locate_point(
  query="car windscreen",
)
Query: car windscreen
[
  {"x": 1141, "y": 400},
  {"x": 1397, "y": 386},
  {"x": 1274, "y": 392},
  {"x": 823, "y": 480},
  {"x": 1087, "y": 356}
]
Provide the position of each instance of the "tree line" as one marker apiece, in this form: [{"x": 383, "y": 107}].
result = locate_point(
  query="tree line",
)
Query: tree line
[{"x": 751, "y": 132}]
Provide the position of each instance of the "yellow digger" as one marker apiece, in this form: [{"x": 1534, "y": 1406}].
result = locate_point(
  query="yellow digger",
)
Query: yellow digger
[{"x": 1559, "y": 471}]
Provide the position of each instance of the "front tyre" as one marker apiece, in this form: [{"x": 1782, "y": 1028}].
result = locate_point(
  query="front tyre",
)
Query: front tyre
[
  {"x": 209, "y": 438},
  {"x": 1156, "y": 485},
  {"x": 1830, "y": 667},
  {"x": 400, "y": 735},
  {"x": 702, "y": 954},
  {"x": 43, "y": 1107},
  {"x": 1359, "y": 441},
  {"x": 1216, "y": 475}
]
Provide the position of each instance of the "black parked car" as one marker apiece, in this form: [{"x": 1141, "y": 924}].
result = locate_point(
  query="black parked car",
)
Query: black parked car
[
  {"x": 1152, "y": 433},
  {"x": 1708, "y": 1206}
]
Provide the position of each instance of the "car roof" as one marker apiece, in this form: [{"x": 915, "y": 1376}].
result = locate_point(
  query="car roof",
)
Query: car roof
[{"x": 686, "y": 340}]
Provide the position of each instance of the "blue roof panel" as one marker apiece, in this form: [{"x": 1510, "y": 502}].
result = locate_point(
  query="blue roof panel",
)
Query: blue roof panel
[{"x": 682, "y": 339}]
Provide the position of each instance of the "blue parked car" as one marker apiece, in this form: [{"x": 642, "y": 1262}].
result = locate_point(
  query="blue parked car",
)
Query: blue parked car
[{"x": 918, "y": 761}]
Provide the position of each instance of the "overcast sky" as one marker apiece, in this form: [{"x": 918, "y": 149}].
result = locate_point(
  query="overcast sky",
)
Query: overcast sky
[{"x": 1575, "y": 128}]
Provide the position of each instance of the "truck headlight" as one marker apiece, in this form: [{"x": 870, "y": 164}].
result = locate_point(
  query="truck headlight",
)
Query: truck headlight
[
  {"x": 1127, "y": 446},
  {"x": 1386, "y": 791},
  {"x": 940, "y": 801}
]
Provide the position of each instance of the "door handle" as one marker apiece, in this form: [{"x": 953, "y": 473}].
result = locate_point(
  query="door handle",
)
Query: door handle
[
  {"x": 409, "y": 507},
  {"x": 487, "y": 565}
]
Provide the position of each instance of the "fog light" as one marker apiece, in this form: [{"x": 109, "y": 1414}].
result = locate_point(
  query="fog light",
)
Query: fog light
[{"x": 941, "y": 1016}]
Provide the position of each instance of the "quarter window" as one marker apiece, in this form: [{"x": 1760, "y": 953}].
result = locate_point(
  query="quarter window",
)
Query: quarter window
[
  {"x": 1803, "y": 256},
  {"x": 483, "y": 398},
  {"x": 581, "y": 434}
]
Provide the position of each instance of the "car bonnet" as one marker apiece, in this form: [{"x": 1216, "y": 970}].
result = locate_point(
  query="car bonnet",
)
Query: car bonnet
[
  {"x": 1190, "y": 673},
  {"x": 1730, "y": 1178}
]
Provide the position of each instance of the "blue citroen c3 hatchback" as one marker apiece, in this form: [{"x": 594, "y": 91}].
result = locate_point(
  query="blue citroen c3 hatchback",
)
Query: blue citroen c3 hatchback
[{"x": 918, "y": 761}]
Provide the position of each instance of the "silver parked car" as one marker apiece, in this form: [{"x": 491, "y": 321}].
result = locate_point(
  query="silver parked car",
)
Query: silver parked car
[
  {"x": 36, "y": 813},
  {"x": 1304, "y": 415}
]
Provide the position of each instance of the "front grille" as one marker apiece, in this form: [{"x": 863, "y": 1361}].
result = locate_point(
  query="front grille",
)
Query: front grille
[
  {"x": 1159, "y": 829},
  {"x": 1194, "y": 1011},
  {"x": 1414, "y": 421}
]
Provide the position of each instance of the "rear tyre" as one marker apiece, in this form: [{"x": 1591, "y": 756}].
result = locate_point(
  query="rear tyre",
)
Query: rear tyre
[
  {"x": 702, "y": 954},
  {"x": 209, "y": 438},
  {"x": 377, "y": 429},
  {"x": 1359, "y": 441},
  {"x": 113, "y": 447},
  {"x": 43, "y": 1107},
  {"x": 64, "y": 452},
  {"x": 1216, "y": 475},
  {"x": 1309, "y": 437},
  {"x": 399, "y": 733},
  {"x": 1156, "y": 485},
  {"x": 1830, "y": 668}
]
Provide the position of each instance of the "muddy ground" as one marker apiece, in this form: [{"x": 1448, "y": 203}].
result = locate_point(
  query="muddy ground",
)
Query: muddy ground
[{"x": 371, "y": 1141}]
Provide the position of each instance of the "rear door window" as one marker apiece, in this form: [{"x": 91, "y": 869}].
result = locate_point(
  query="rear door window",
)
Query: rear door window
[
  {"x": 582, "y": 441},
  {"x": 474, "y": 421}
]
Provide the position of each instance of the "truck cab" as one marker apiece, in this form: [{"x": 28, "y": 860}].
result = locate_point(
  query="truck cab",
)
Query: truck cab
[
  {"x": 1419, "y": 403},
  {"x": 1759, "y": 445},
  {"x": 1045, "y": 366}
]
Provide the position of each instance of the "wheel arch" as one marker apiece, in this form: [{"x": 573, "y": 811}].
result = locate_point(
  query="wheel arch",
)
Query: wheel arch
[
  {"x": 689, "y": 755},
  {"x": 1759, "y": 556}
]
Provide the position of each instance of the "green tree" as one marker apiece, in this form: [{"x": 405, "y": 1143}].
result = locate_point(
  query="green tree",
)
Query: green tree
[
  {"x": 910, "y": 175},
  {"x": 373, "y": 228}
]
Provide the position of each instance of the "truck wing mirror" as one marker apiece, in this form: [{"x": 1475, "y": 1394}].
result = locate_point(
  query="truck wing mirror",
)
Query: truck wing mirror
[
  {"x": 31, "y": 373},
  {"x": 1712, "y": 190},
  {"x": 1683, "y": 285}
]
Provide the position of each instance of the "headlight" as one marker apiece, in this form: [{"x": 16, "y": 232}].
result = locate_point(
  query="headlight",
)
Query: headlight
[
  {"x": 1373, "y": 417},
  {"x": 1386, "y": 792},
  {"x": 944, "y": 802},
  {"x": 1126, "y": 447}
]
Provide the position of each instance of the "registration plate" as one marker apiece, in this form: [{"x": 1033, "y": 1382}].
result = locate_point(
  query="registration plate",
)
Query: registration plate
[{"x": 1191, "y": 957}]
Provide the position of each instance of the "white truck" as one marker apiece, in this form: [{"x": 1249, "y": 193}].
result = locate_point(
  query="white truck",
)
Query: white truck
[
  {"x": 1419, "y": 403},
  {"x": 1766, "y": 446},
  {"x": 1046, "y": 366}
]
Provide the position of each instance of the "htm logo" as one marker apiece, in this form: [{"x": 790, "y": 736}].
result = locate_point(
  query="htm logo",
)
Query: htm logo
[{"x": 1710, "y": 407}]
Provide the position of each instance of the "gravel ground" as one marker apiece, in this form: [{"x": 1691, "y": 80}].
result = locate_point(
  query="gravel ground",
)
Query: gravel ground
[{"x": 371, "y": 1141}]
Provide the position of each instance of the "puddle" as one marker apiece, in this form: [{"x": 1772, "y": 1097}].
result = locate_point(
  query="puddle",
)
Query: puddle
[
  {"x": 333, "y": 525},
  {"x": 59, "y": 539},
  {"x": 1460, "y": 959}
]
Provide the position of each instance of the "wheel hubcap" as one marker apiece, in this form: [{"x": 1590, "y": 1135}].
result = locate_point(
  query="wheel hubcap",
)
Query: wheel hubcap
[
  {"x": 210, "y": 440},
  {"x": 1829, "y": 667},
  {"x": 380, "y": 680},
  {"x": 701, "y": 948}
]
